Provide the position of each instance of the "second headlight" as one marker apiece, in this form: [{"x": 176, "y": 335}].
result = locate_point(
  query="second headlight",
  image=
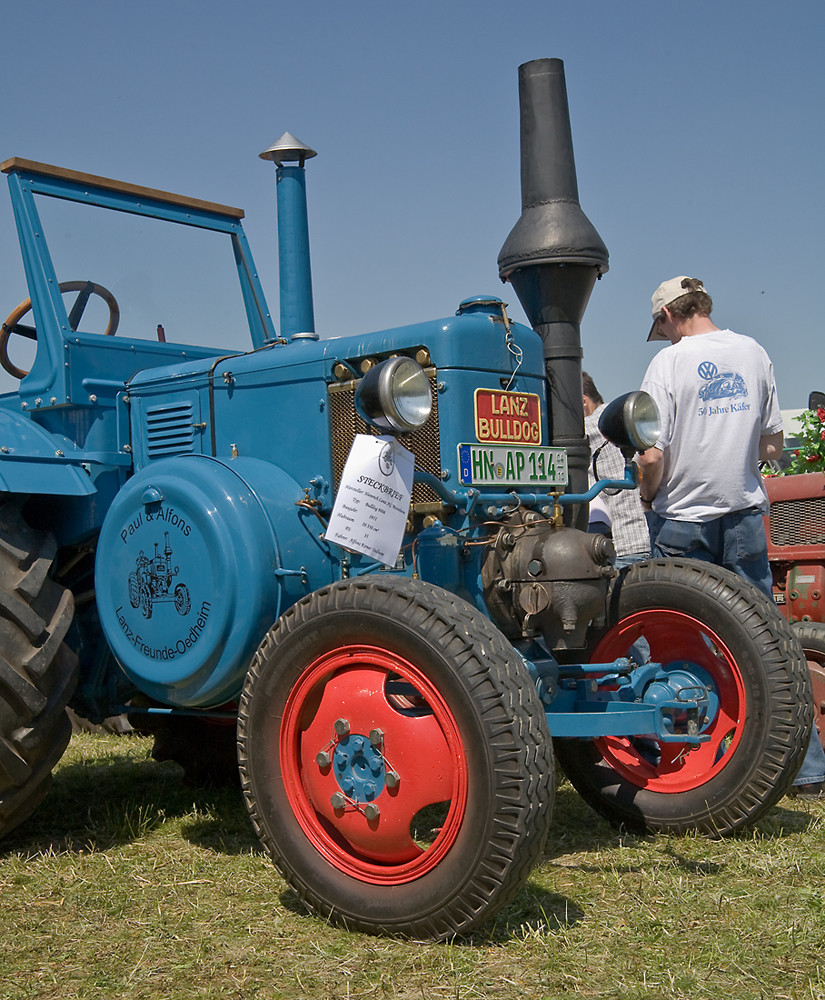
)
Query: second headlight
[{"x": 631, "y": 421}]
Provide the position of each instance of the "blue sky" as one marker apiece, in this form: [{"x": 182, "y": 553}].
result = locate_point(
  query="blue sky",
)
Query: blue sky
[{"x": 698, "y": 133}]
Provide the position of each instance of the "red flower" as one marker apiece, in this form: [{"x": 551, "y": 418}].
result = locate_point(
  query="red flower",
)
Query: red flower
[
  {"x": 822, "y": 434},
  {"x": 814, "y": 458},
  {"x": 821, "y": 414}
]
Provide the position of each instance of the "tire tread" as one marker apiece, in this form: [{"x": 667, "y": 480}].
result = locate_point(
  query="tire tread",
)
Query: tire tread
[
  {"x": 38, "y": 673},
  {"x": 786, "y": 725},
  {"x": 515, "y": 727}
]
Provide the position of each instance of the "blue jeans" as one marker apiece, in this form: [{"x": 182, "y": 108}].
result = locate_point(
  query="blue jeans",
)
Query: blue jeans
[
  {"x": 629, "y": 558},
  {"x": 813, "y": 767},
  {"x": 737, "y": 542}
]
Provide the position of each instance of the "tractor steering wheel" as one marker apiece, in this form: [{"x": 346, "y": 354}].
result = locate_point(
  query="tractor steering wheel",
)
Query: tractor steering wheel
[{"x": 86, "y": 289}]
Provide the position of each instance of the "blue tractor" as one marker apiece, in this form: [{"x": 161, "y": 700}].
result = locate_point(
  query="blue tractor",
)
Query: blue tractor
[{"x": 357, "y": 567}]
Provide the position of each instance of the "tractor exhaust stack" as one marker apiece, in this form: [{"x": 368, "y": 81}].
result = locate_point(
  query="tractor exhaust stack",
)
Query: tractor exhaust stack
[
  {"x": 554, "y": 255},
  {"x": 295, "y": 271}
]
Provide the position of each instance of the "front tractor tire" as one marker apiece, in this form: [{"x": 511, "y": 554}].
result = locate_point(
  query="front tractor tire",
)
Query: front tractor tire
[
  {"x": 395, "y": 758},
  {"x": 699, "y": 617},
  {"x": 38, "y": 673}
]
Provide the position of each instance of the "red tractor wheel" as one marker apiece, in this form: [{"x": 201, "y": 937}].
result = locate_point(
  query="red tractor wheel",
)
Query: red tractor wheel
[
  {"x": 812, "y": 637},
  {"x": 395, "y": 758},
  {"x": 697, "y": 617}
]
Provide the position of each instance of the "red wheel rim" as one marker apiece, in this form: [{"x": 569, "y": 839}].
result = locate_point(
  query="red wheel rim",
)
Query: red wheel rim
[
  {"x": 421, "y": 744},
  {"x": 678, "y": 641}
]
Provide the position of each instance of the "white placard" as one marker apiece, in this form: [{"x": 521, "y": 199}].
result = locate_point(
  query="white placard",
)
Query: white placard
[{"x": 373, "y": 499}]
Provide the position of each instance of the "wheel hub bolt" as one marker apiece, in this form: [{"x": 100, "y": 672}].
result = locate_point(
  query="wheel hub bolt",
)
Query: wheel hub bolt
[
  {"x": 376, "y": 737},
  {"x": 323, "y": 759},
  {"x": 391, "y": 779},
  {"x": 341, "y": 727},
  {"x": 338, "y": 800},
  {"x": 371, "y": 811}
]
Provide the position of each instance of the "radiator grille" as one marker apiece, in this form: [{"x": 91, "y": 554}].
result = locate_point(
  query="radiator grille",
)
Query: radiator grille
[
  {"x": 798, "y": 522},
  {"x": 424, "y": 443},
  {"x": 169, "y": 430}
]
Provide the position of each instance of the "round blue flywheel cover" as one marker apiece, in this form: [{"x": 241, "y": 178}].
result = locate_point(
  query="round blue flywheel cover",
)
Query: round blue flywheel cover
[{"x": 186, "y": 580}]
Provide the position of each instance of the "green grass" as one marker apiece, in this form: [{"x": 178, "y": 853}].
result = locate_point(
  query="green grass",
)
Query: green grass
[{"x": 128, "y": 883}]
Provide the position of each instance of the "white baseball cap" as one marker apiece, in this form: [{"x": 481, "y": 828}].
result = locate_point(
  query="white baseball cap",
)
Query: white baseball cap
[{"x": 667, "y": 292}]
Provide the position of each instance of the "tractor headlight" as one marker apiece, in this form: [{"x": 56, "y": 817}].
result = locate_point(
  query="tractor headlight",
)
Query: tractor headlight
[
  {"x": 631, "y": 422},
  {"x": 395, "y": 396}
]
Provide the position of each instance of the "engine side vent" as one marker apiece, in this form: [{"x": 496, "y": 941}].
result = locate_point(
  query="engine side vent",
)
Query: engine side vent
[
  {"x": 798, "y": 522},
  {"x": 169, "y": 430},
  {"x": 425, "y": 443}
]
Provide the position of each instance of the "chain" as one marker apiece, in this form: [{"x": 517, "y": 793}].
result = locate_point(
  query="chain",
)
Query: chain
[{"x": 512, "y": 346}]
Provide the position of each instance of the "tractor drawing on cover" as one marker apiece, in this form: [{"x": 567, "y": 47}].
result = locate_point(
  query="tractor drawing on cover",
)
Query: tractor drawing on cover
[{"x": 152, "y": 579}]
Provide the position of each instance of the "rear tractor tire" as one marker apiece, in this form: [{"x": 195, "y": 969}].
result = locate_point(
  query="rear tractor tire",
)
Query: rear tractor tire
[
  {"x": 38, "y": 673},
  {"x": 395, "y": 758},
  {"x": 698, "y": 617}
]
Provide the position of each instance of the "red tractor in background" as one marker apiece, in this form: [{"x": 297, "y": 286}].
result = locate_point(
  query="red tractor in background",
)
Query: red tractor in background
[{"x": 795, "y": 528}]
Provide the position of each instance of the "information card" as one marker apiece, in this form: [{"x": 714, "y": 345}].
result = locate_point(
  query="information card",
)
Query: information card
[{"x": 373, "y": 499}]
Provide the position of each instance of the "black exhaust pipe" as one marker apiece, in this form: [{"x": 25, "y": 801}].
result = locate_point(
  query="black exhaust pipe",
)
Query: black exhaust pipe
[{"x": 554, "y": 255}]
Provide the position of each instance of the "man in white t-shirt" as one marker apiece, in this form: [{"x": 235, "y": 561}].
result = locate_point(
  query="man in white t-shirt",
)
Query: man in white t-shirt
[{"x": 700, "y": 484}]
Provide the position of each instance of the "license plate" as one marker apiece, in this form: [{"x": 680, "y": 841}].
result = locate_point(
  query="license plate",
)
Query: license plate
[{"x": 508, "y": 465}]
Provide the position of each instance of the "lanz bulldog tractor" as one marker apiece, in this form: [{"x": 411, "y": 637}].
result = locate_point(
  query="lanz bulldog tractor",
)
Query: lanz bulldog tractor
[{"x": 363, "y": 558}]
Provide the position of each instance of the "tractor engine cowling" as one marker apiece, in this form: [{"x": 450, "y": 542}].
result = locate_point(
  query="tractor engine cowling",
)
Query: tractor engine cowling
[{"x": 539, "y": 577}]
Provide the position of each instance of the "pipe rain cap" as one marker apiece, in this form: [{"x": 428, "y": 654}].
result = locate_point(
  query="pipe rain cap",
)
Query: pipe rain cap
[
  {"x": 288, "y": 149},
  {"x": 667, "y": 292}
]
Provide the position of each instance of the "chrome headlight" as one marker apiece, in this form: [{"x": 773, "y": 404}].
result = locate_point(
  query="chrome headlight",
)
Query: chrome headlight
[
  {"x": 631, "y": 421},
  {"x": 395, "y": 396}
]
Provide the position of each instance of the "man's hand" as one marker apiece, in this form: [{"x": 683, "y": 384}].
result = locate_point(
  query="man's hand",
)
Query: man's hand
[
  {"x": 651, "y": 466},
  {"x": 770, "y": 447}
]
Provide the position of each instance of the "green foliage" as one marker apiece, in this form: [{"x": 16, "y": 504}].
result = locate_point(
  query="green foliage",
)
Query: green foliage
[{"x": 810, "y": 456}]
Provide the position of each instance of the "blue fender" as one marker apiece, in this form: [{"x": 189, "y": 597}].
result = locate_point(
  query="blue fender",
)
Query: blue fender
[{"x": 33, "y": 461}]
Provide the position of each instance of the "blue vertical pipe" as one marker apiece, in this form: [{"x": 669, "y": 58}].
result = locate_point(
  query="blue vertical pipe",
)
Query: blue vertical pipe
[{"x": 297, "y": 312}]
